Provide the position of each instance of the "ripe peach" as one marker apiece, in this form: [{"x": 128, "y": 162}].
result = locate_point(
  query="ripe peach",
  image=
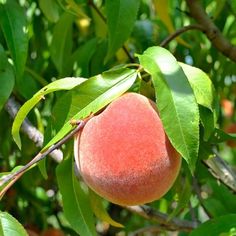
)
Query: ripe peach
[
  {"x": 231, "y": 129},
  {"x": 124, "y": 154}
]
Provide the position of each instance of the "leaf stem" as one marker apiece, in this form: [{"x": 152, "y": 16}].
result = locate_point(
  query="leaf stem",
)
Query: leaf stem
[
  {"x": 162, "y": 219},
  {"x": 181, "y": 31}
]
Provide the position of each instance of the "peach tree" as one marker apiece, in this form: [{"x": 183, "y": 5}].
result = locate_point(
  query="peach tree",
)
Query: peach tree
[{"x": 159, "y": 76}]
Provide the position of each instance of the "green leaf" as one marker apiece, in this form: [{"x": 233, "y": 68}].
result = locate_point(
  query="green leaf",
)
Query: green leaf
[
  {"x": 3, "y": 58},
  {"x": 50, "y": 9},
  {"x": 9, "y": 226},
  {"x": 219, "y": 136},
  {"x": 62, "y": 84},
  {"x": 14, "y": 26},
  {"x": 100, "y": 211},
  {"x": 27, "y": 86},
  {"x": 201, "y": 84},
  {"x": 221, "y": 192},
  {"x": 60, "y": 111},
  {"x": 214, "y": 207},
  {"x": 175, "y": 101},
  {"x": 121, "y": 16},
  {"x": 7, "y": 81},
  {"x": 97, "y": 65},
  {"x": 82, "y": 56},
  {"x": 220, "y": 4},
  {"x": 94, "y": 94},
  {"x": 184, "y": 195},
  {"x": 219, "y": 226},
  {"x": 75, "y": 201},
  {"x": 42, "y": 165},
  {"x": 207, "y": 120},
  {"x": 162, "y": 9},
  {"x": 61, "y": 45}
]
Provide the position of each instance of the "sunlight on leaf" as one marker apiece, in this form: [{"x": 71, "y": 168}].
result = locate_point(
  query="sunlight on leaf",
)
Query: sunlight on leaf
[
  {"x": 62, "y": 84},
  {"x": 9, "y": 226},
  {"x": 175, "y": 101}
]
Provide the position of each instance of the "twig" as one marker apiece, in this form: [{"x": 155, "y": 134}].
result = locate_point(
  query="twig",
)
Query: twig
[
  {"x": 192, "y": 212},
  {"x": 40, "y": 156},
  {"x": 211, "y": 30},
  {"x": 181, "y": 31},
  {"x": 27, "y": 128},
  {"x": 222, "y": 171},
  {"x": 162, "y": 219},
  {"x": 91, "y": 3}
]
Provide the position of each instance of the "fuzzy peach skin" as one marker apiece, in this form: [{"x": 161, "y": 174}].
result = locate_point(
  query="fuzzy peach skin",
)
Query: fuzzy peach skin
[{"x": 124, "y": 154}]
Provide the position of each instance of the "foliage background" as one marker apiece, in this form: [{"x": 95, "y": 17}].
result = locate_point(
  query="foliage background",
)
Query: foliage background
[{"x": 46, "y": 40}]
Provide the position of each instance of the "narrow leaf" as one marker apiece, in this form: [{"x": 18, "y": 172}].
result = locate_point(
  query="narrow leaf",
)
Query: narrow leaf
[
  {"x": 9, "y": 226},
  {"x": 94, "y": 94},
  {"x": 60, "y": 112},
  {"x": 121, "y": 16},
  {"x": 61, "y": 45},
  {"x": 50, "y": 9},
  {"x": 82, "y": 56},
  {"x": 162, "y": 9},
  {"x": 220, "y": 4},
  {"x": 75, "y": 201},
  {"x": 219, "y": 136},
  {"x": 201, "y": 84},
  {"x": 175, "y": 101},
  {"x": 7, "y": 81},
  {"x": 100, "y": 211},
  {"x": 184, "y": 195},
  {"x": 207, "y": 120},
  {"x": 223, "y": 226},
  {"x": 3, "y": 58},
  {"x": 214, "y": 207},
  {"x": 62, "y": 84},
  {"x": 14, "y": 26}
]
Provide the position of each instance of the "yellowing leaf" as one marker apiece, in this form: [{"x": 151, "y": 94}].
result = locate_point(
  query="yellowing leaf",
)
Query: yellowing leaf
[
  {"x": 77, "y": 9},
  {"x": 162, "y": 9},
  {"x": 100, "y": 211}
]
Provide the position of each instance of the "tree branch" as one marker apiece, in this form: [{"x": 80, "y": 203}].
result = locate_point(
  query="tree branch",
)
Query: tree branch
[
  {"x": 181, "y": 31},
  {"x": 162, "y": 219},
  {"x": 12, "y": 107},
  {"x": 12, "y": 177},
  {"x": 211, "y": 30},
  {"x": 222, "y": 171}
]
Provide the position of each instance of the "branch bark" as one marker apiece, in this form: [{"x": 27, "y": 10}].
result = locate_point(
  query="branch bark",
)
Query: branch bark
[
  {"x": 27, "y": 128},
  {"x": 222, "y": 171},
  {"x": 162, "y": 219},
  {"x": 11, "y": 178},
  {"x": 211, "y": 30},
  {"x": 181, "y": 31}
]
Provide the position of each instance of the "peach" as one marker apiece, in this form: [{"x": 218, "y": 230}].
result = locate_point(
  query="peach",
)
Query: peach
[{"x": 124, "y": 154}]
